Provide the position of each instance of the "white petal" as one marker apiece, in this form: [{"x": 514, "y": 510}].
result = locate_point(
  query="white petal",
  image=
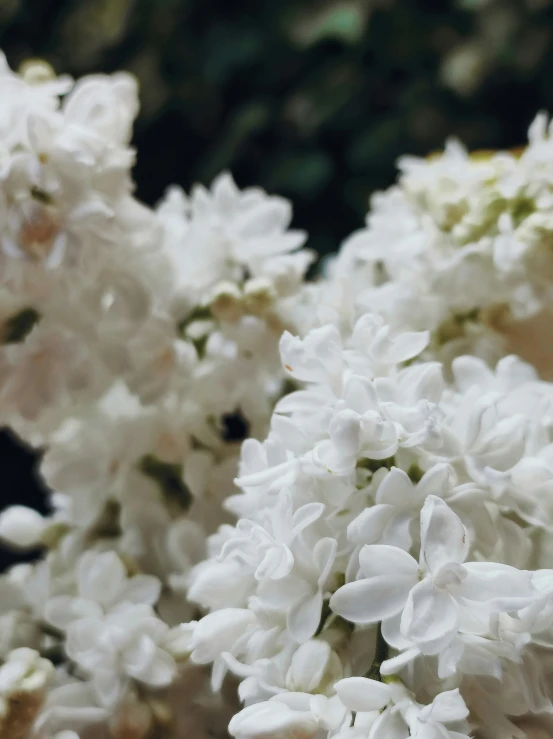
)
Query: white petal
[
  {"x": 443, "y": 536},
  {"x": 391, "y": 633},
  {"x": 429, "y": 615},
  {"x": 161, "y": 671},
  {"x": 395, "y": 664},
  {"x": 445, "y": 708},
  {"x": 218, "y": 631},
  {"x": 371, "y": 600},
  {"x": 360, "y": 395},
  {"x": 390, "y": 725},
  {"x": 436, "y": 481},
  {"x": 497, "y": 587},
  {"x": 306, "y": 515},
  {"x": 225, "y": 192},
  {"x": 57, "y": 252},
  {"x": 469, "y": 371},
  {"x": 308, "y": 666},
  {"x": 369, "y": 525},
  {"x": 108, "y": 686},
  {"x": 63, "y": 610},
  {"x": 329, "y": 712},
  {"x": 285, "y": 592},
  {"x": 395, "y": 488},
  {"x": 426, "y": 381},
  {"x": 382, "y": 559},
  {"x": 272, "y": 720},
  {"x": 141, "y": 589},
  {"x": 324, "y": 553},
  {"x": 345, "y": 432},
  {"x": 362, "y": 694},
  {"x": 304, "y": 617},
  {"x": 253, "y": 457},
  {"x": 139, "y": 655},
  {"x": 277, "y": 563},
  {"x": 100, "y": 576},
  {"x": 265, "y": 218},
  {"x": 407, "y": 345},
  {"x": 398, "y": 531}
]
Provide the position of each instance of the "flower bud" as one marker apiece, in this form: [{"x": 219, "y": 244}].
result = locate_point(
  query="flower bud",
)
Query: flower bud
[
  {"x": 36, "y": 71},
  {"x": 21, "y": 527},
  {"x": 217, "y": 632},
  {"x": 226, "y": 302},
  {"x": 178, "y": 640},
  {"x": 259, "y": 294},
  {"x": 310, "y": 666},
  {"x": 307, "y": 666},
  {"x": 272, "y": 720}
]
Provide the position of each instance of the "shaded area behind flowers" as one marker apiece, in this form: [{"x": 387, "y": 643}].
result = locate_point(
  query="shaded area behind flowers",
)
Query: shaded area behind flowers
[{"x": 21, "y": 485}]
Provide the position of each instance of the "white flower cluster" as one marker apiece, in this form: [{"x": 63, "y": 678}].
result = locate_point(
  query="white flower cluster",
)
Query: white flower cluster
[
  {"x": 138, "y": 347},
  {"x": 381, "y": 565},
  {"x": 460, "y": 246},
  {"x": 385, "y": 576}
]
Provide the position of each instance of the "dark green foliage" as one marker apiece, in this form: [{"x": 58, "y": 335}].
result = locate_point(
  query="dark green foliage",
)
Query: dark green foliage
[{"x": 314, "y": 99}]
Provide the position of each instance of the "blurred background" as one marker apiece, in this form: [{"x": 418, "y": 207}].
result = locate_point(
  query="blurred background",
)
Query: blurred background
[{"x": 312, "y": 99}]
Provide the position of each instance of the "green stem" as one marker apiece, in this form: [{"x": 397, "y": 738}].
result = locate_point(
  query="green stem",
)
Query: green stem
[
  {"x": 380, "y": 655},
  {"x": 326, "y": 613}
]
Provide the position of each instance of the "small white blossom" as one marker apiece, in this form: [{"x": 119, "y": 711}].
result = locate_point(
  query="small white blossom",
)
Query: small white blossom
[{"x": 430, "y": 594}]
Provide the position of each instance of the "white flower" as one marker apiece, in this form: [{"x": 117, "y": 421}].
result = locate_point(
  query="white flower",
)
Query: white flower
[
  {"x": 21, "y": 527},
  {"x": 108, "y": 105},
  {"x": 223, "y": 234},
  {"x": 309, "y": 664},
  {"x": 389, "y": 710},
  {"x": 148, "y": 353},
  {"x": 302, "y": 591},
  {"x": 456, "y": 238},
  {"x": 398, "y": 504},
  {"x": 102, "y": 584},
  {"x": 51, "y": 370},
  {"x": 446, "y": 708},
  {"x": 430, "y": 595},
  {"x": 297, "y": 715},
  {"x": 273, "y": 720},
  {"x": 120, "y": 645},
  {"x": 218, "y": 632}
]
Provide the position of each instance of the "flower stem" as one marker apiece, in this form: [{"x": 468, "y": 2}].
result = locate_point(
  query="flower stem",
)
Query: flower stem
[{"x": 380, "y": 654}]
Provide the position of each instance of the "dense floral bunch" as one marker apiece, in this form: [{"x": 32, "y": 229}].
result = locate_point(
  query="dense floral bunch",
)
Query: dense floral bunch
[
  {"x": 381, "y": 565},
  {"x": 138, "y": 348},
  {"x": 384, "y": 577},
  {"x": 461, "y": 246}
]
